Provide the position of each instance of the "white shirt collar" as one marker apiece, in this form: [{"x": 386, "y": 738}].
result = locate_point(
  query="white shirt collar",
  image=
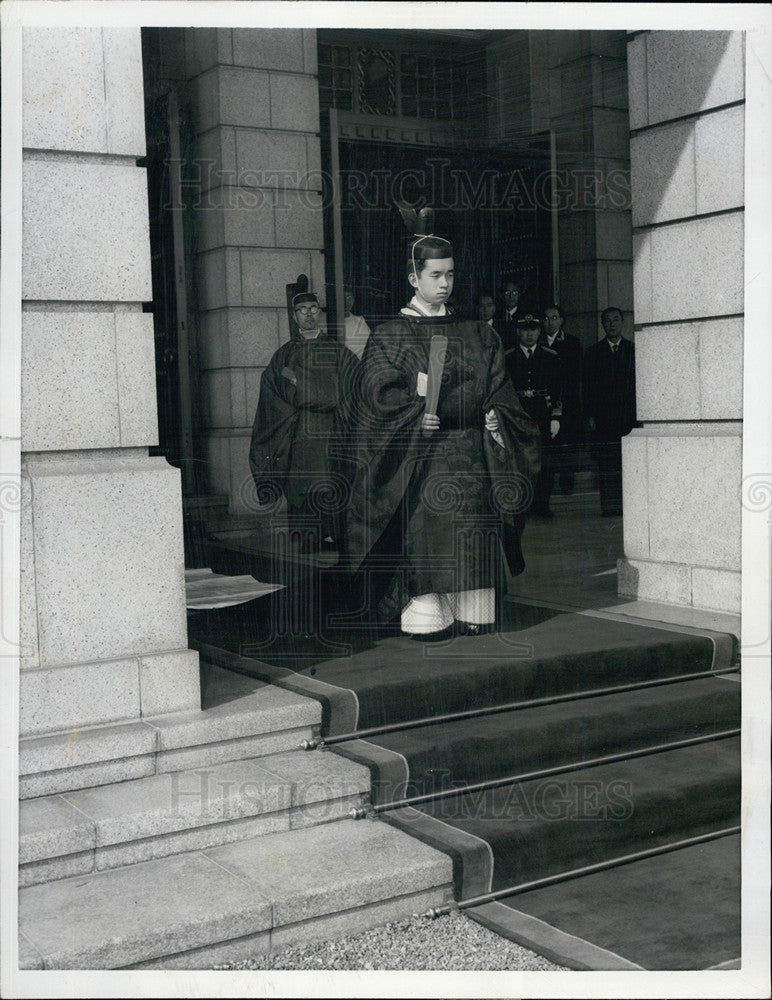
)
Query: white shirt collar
[{"x": 414, "y": 305}]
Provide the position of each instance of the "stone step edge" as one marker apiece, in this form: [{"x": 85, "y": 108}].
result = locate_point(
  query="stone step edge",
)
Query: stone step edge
[
  {"x": 155, "y": 734},
  {"x": 288, "y": 784},
  {"x": 329, "y": 926},
  {"x": 111, "y": 856},
  {"x": 145, "y": 765},
  {"x": 148, "y": 911}
]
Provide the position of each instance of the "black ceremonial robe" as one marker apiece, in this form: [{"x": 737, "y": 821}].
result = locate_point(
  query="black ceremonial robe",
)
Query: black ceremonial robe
[
  {"x": 429, "y": 511},
  {"x": 299, "y": 428}
]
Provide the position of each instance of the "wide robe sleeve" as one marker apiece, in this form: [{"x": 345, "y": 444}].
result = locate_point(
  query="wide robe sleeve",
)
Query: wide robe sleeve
[
  {"x": 514, "y": 467},
  {"x": 348, "y": 376},
  {"x": 385, "y": 436},
  {"x": 347, "y": 389},
  {"x": 273, "y": 430}
]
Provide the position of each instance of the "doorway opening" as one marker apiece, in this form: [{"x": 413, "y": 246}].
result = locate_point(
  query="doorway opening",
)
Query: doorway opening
[{"x": 483, "y": 204}]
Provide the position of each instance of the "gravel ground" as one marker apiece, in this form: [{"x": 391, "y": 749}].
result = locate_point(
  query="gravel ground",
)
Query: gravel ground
[{"x": 449, "y": 943}]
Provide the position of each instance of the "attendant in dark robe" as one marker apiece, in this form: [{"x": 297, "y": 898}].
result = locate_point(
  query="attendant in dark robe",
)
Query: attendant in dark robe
[
  {"x": 566, "y": 446},
  {"x": 537, "y": 376},
  {"x": 298, "y": 438},
  {"x": 609, "y": 397},
  {"x": 437, "y": 495}
]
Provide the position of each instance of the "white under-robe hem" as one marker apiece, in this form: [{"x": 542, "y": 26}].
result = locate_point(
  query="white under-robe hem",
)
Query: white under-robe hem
[{"x": 429, "y": 613}]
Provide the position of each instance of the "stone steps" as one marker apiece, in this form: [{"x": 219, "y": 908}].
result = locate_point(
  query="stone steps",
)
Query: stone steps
[
  {"x": 241, "y": 718},
  {"x": 228, "y": 903},
  {"x": 94, "y": 829},
  {"x": 234, "y": 841},
  {"x": 230, "y": 771}
]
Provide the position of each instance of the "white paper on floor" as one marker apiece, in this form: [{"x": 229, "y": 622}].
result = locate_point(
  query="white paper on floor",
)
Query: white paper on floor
[{"x": 206, "y": 589}]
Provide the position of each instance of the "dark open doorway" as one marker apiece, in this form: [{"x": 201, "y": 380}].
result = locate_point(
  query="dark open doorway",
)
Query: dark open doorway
[
  {"x": 173, "y": 182},
  {"x": 484, "y": 203}
]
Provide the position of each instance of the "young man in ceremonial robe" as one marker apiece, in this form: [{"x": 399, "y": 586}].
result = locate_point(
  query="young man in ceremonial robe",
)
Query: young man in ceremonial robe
[{"x": 444, "y": 460}]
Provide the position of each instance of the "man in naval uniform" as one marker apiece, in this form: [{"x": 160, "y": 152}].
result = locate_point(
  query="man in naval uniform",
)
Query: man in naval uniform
[
  {"x": 536, "y": 374},
  {"x": 299, "y": 429},
  {"x": 440, "y": 484},
  {"x": 566, "y": 445}
]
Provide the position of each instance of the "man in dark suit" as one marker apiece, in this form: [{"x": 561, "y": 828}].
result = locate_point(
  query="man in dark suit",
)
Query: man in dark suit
[
  {"x": 507, "y": 315},
  {"x": 536, "y": 374},
  {"x": 487, "y": 310},
  {"x": 567, "y": 444},
  {"x": 609, "y": 404}
]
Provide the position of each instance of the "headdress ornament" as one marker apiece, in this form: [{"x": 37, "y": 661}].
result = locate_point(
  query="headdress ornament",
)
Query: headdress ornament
[{"x": 425, "y": 245}]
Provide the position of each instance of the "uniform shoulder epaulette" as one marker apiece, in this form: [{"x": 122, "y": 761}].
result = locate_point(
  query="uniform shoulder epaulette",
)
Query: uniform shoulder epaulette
[{"x": 549, "y": 350}]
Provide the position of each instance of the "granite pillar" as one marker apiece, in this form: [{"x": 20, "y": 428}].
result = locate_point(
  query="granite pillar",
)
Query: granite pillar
[
  {"x": 683, "y": 468},
  {"x": 254, "y": 105},
  {"x": 103, "y": 626}
]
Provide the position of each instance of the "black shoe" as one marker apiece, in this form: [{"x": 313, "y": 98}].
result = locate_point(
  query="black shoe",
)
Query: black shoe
[
  {"x": 472, "y": 628},
  {"x": 445, "y": 633}
]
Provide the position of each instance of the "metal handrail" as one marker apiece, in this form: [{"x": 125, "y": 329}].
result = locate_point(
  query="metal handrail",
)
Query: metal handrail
[
  {"x": 541, "y": 883},
  {"x": 321, "y": 743},
  {"x": 371, "y": 810}
]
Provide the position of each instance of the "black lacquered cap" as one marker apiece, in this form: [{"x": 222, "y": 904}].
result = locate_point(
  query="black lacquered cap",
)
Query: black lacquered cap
[{"x": 425, "y": 245}]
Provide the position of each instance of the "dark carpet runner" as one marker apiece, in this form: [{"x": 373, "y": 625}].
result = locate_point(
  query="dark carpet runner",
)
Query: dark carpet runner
[
  {"x": 676, "y": 911},
  {"x": 576, "y": 687}
]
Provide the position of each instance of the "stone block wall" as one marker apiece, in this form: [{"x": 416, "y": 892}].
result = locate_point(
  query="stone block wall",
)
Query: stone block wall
[
  {"x": 103, "y": 623},
  {"x": 253, "y": 100},
  {"x": 683, "y": 469}
]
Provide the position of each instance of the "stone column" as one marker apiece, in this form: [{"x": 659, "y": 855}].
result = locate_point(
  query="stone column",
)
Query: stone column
[
  {"x": 682, "y": 470},
  {"x": 103, "y": 625},
  {"x": 254, "y": 103}
]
